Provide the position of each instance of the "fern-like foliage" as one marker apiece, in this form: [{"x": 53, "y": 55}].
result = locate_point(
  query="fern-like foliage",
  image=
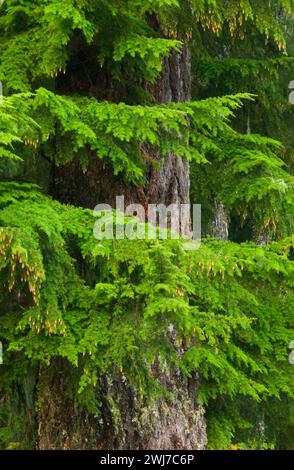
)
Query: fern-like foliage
[
  {"x": 15, "y": 123},
  {"x": 46, "y": 31},
  {"x": 105, "y": 305}
]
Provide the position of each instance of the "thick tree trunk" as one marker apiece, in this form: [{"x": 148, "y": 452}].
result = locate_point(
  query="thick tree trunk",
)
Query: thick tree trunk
[
  {"x": 169, "y": 184},
  {"x": 125, "y": 421}
]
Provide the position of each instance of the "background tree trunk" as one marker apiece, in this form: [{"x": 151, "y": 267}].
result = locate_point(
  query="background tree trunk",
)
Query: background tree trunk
[
  {"x": 125, "y": 421},
  {"x": 221, "y": 222}
]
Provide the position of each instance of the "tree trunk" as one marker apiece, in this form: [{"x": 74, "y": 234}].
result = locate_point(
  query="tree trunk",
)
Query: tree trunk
[
  {"x": 261, "y": 237},
  {"x": 221, "y": 223},
  {"x": 125, "y": 421},
  {"x": 169, "y": 184}
]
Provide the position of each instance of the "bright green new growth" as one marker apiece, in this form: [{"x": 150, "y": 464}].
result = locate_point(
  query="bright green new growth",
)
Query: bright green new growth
[{"x": 230, "y": 305}]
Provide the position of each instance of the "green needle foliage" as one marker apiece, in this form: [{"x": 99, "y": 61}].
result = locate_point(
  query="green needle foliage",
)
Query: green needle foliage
[{"x": 106, "y": 307}]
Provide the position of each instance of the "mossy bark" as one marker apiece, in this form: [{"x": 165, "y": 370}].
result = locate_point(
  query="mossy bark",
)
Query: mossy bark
[{"x": 124, "y": 421}]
